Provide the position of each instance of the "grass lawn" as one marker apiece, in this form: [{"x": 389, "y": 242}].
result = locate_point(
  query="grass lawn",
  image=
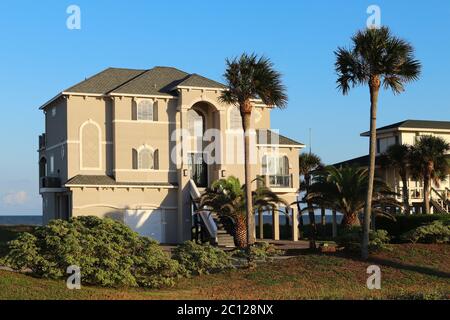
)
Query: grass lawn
[{"x": 408, "y": 271}]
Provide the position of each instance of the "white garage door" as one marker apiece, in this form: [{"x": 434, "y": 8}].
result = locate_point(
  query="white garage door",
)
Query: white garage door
[{"x": 149, "y": 223}]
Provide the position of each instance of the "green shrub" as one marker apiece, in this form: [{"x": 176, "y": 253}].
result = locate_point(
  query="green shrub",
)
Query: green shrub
[
  {"x": 350, "y": 239},
  {"x": 201, "y": 259},
  {"x": 260, "y": 251},
  {"x": 403, "y": 224},
  {"x": 435, "y": 232},
  {"x": 107, "y": 252}
]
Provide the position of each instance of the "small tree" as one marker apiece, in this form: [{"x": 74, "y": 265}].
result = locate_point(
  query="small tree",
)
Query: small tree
[
  {"x": 429, "y": 164},
  {"x": 308, "y": 164},
  {"x": 226, "y": 197},
  {"x": 344, "y": 189},
  {"x": 397, "y": 156}
]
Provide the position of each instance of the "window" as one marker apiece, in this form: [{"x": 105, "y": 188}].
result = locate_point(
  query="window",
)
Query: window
[
  {"x": 145, "y": 159},
  {"x": 235, "y": 121},
  {"x": 145, "y": 110},
  {"x": 53, "y": 111},
  {"x": 275, "y": 165},
  {"x": 52, "y": 164},
  {"x": 195, "y": 123},
  {"x": 378, "y": 146}
]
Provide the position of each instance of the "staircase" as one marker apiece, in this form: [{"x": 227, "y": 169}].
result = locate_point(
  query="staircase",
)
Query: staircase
[
  {"x": 441, "y": 203},
  {"x": 217, "y": 232},
  {"x": 224, "y": 238}
]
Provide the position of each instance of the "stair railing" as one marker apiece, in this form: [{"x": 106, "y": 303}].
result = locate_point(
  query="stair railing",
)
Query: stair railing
[
  {"x": 442, "y": 201},
  {"x": 205, "y": 215}
]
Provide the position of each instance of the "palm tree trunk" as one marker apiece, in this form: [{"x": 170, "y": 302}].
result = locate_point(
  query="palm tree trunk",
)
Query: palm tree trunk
[
  {"x": 300, "y": 223},
  {"x": 312, "y": 223},
  {"x": 374, "y": 90},
  {"x": 246, "y": 116},
  {"x": 240, "y": 233},
  {"x": 426, "y": 195},
  {"x": 405, "y": 192},
  {"x": 334, "y": 224}
]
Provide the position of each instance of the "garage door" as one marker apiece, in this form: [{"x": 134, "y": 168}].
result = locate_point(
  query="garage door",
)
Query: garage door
[{"x": 149, "y": 223}]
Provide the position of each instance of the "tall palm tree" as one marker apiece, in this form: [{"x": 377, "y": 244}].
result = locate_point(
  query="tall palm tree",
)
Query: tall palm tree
[
  {"x": 249, "y": 77},
  {"x": 344, "y": 190},
  {"x": 308, "y": 164},
  {"x": 429, "y": 164},
  {"x": 226, "y": 197},
  {"x": 397, "y": 156},
  {"x": 376, "y": 58}
]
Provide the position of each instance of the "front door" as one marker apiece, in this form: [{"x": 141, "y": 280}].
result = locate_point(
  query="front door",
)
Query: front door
[{"x": 198, "y": 169}]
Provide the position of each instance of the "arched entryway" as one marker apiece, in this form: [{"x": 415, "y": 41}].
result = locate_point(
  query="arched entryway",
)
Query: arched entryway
[{"x": 201, "y": 117}]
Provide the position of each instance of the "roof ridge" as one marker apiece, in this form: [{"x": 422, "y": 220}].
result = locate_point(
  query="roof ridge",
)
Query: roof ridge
[{"x": 122, "y": 84}]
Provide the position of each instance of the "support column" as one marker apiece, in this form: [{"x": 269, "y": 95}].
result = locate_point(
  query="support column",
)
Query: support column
[
  {"x": 261, "y": 223},
  {"x": 275, "y": 224},
  {"x": 294, "y": 224}
]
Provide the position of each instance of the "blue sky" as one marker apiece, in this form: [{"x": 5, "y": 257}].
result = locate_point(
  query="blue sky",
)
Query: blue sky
[{"x": 39, "y": 57}]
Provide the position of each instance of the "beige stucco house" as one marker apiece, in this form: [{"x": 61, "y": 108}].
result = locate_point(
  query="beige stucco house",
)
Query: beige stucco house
[
  {"x": 132, "y": 145},
  {"x": 407, "y": 132}
]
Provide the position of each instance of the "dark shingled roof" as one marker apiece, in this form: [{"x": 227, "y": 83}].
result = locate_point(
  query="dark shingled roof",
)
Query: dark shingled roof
[
  {"x": 160, "y": 81},
  {"x": 266, "y": 136},
  {"x": 359, "y": 161},
  {"x": 364, "y": 161},
  {"x": 105, "y": 81},
  {"x": 156, "y": 81},
  {"x": 420, "y": 124},
  {"x": 103, "y": 180},
  {"x": 195, "y": 80}
]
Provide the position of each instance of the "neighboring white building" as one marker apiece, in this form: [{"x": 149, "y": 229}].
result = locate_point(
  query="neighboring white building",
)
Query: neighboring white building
[{"x": 408, "y": 132}]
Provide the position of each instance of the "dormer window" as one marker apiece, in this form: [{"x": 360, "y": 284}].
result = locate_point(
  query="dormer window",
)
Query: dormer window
[{"x": 145, "y": 110}]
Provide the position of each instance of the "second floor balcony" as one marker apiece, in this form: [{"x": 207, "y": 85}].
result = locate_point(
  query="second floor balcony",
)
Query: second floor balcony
[{"x": 276, "y": 181}]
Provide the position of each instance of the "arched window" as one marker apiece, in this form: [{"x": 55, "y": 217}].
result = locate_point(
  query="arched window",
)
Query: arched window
[
  {"x": 195, "y": 123},
  {"x": 275, "y": 165},
  {"x": 90, "y": 140},
  {"x": 145, "y": 110},
  {"x": 145, "y": 159},
  {"x": 235, "y": 119}
]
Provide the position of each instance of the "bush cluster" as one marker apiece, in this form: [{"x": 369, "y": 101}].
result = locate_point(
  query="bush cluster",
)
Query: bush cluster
[
  {"x": 107, "y": 252},
  {"x": 435, "y": 232},
  {"x": 201, "y": 259},
  {"x": 403, "y": 223},
  {"x": 350, "y": 239},
  {"x": 260, "y": 251}
]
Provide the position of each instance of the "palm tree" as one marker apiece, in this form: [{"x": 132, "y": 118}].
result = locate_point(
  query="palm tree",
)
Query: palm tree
[
  {"x": 429, "y": 164},
  {"x": 376, "y": 58},
  {"x": 226, "y": 197},
  {"x": 308, "y": 164},
  {"x": 344, "y": 190},
  {"x": 397, "y": 156},
  {"x": 249, "y": 77}
]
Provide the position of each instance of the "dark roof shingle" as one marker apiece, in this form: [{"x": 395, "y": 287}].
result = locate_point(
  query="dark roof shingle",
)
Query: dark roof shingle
[
  {"x": 195, "y": 80},
  {"x": 104, "y": 180},
  {"x": 419, "y": 124},
  {"x": 105, "y": 81},
  {"x": 266, "y": 136}
]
